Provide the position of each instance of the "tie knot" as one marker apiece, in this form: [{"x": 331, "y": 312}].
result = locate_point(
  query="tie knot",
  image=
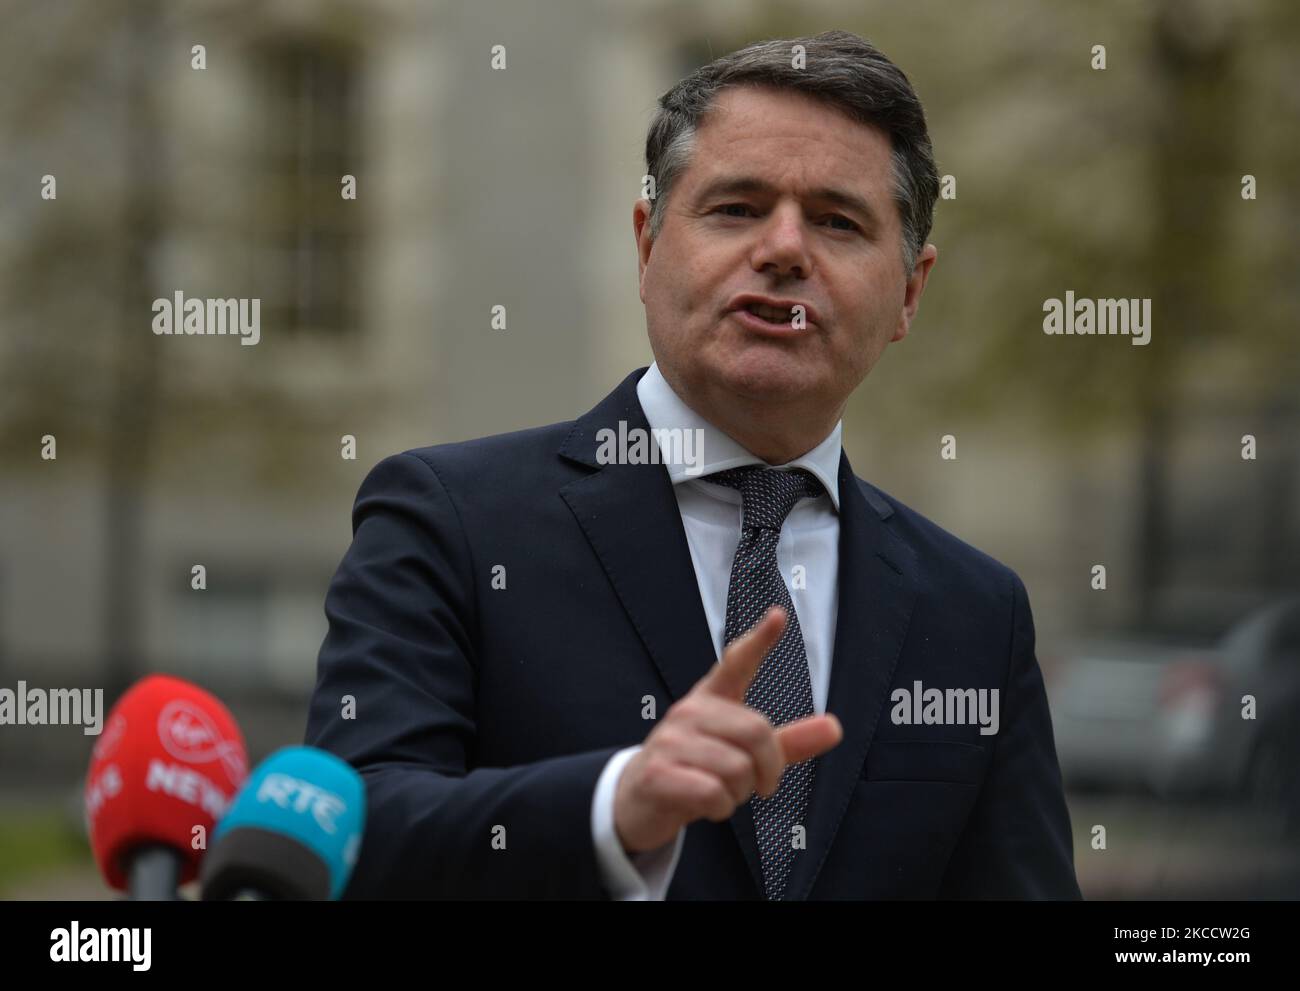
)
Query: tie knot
[{"x": 768, "y": 494}]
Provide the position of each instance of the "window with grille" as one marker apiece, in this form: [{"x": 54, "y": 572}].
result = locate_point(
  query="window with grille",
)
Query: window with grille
[{"x": 307, "y": 235}]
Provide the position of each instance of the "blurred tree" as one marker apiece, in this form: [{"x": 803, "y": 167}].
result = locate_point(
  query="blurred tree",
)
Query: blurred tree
[{"x": 1122, "y": 182}]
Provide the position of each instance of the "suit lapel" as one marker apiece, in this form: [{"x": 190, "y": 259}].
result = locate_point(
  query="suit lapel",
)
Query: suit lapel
[
  {"x": 631, "y": 518},
  {"x": 877, "y": 591}
]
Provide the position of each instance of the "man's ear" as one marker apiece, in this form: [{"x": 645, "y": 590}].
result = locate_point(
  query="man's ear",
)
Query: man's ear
[
  {"x": 915, "y": 287},
  {"x": 641, "y": 229}
]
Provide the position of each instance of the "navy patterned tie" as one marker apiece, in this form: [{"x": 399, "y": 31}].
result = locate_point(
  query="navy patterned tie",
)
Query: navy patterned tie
[{"x": 782, "y": 688}]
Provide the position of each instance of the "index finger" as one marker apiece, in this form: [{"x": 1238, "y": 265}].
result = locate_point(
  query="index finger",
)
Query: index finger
[{"x": 741, "y": 659}]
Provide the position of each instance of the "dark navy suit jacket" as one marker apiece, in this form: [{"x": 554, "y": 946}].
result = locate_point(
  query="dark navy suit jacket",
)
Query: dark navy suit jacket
[{"x": 478, "y": 707}]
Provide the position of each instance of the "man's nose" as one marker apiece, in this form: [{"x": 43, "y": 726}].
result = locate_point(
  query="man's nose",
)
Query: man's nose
[{"x": 783, "y": 243}]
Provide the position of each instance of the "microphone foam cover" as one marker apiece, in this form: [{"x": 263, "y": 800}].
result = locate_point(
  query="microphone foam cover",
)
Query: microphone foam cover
[
  {"x": 170, "y": 759},
  {"x": 293, "y": 831}
]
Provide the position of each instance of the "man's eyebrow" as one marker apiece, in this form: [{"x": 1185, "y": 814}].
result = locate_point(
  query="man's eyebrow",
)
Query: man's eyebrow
[{"x": 741, "y": 185}]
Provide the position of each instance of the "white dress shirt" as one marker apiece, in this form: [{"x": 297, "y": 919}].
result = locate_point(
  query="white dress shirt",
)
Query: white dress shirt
[{"x": 711, "y": 516}]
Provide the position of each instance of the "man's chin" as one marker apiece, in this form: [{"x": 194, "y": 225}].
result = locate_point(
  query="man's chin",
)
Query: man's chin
[{"x": 765, "y": 377}]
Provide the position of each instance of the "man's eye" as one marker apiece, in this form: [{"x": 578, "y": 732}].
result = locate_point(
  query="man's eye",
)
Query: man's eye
[{"x": 745, "y": 209}]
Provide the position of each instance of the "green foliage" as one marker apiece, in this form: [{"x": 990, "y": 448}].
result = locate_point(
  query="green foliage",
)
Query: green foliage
[{"x": 38, "y": 841}]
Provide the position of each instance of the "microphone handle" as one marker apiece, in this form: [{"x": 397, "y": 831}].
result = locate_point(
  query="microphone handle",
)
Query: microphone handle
[{"x": 155, "y": 874}]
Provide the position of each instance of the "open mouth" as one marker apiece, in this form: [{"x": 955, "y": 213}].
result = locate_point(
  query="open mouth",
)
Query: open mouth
[{"x": 771, "y": 314}]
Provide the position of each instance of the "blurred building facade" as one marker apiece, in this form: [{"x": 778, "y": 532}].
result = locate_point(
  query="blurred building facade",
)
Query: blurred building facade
[{"x": 479, "y": 187}]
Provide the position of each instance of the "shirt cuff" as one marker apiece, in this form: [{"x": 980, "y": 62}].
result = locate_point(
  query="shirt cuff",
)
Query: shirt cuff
[{"x": 644, "y": 876}]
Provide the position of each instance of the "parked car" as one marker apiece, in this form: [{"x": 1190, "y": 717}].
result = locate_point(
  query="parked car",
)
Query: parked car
[{"x": 1171, "y": 717}]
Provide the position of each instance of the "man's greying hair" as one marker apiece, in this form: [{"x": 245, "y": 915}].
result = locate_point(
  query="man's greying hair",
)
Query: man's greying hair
[{"x": 841, "y": 69}]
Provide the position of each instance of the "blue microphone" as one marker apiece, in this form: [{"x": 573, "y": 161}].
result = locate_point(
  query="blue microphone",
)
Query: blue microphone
[{"x": 293, "y": 832}]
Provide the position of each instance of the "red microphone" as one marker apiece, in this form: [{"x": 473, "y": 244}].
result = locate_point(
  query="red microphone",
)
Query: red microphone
[{"x": 170, "y": 760}]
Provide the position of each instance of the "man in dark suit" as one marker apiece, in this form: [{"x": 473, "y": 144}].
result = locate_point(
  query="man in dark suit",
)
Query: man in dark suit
[{"x": 676, "y": 648}]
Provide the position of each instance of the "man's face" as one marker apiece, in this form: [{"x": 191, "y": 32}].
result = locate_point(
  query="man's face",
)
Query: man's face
[{"x": 759, "y": 211}]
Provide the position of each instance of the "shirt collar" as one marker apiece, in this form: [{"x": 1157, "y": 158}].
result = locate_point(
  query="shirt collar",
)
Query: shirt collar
[{"x": 664, "y": 409}]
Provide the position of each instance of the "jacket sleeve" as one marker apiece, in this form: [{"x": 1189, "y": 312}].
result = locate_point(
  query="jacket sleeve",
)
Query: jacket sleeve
[
  {"x": 1018, "y": 842},
  {"x": 395, "y": 698}
]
